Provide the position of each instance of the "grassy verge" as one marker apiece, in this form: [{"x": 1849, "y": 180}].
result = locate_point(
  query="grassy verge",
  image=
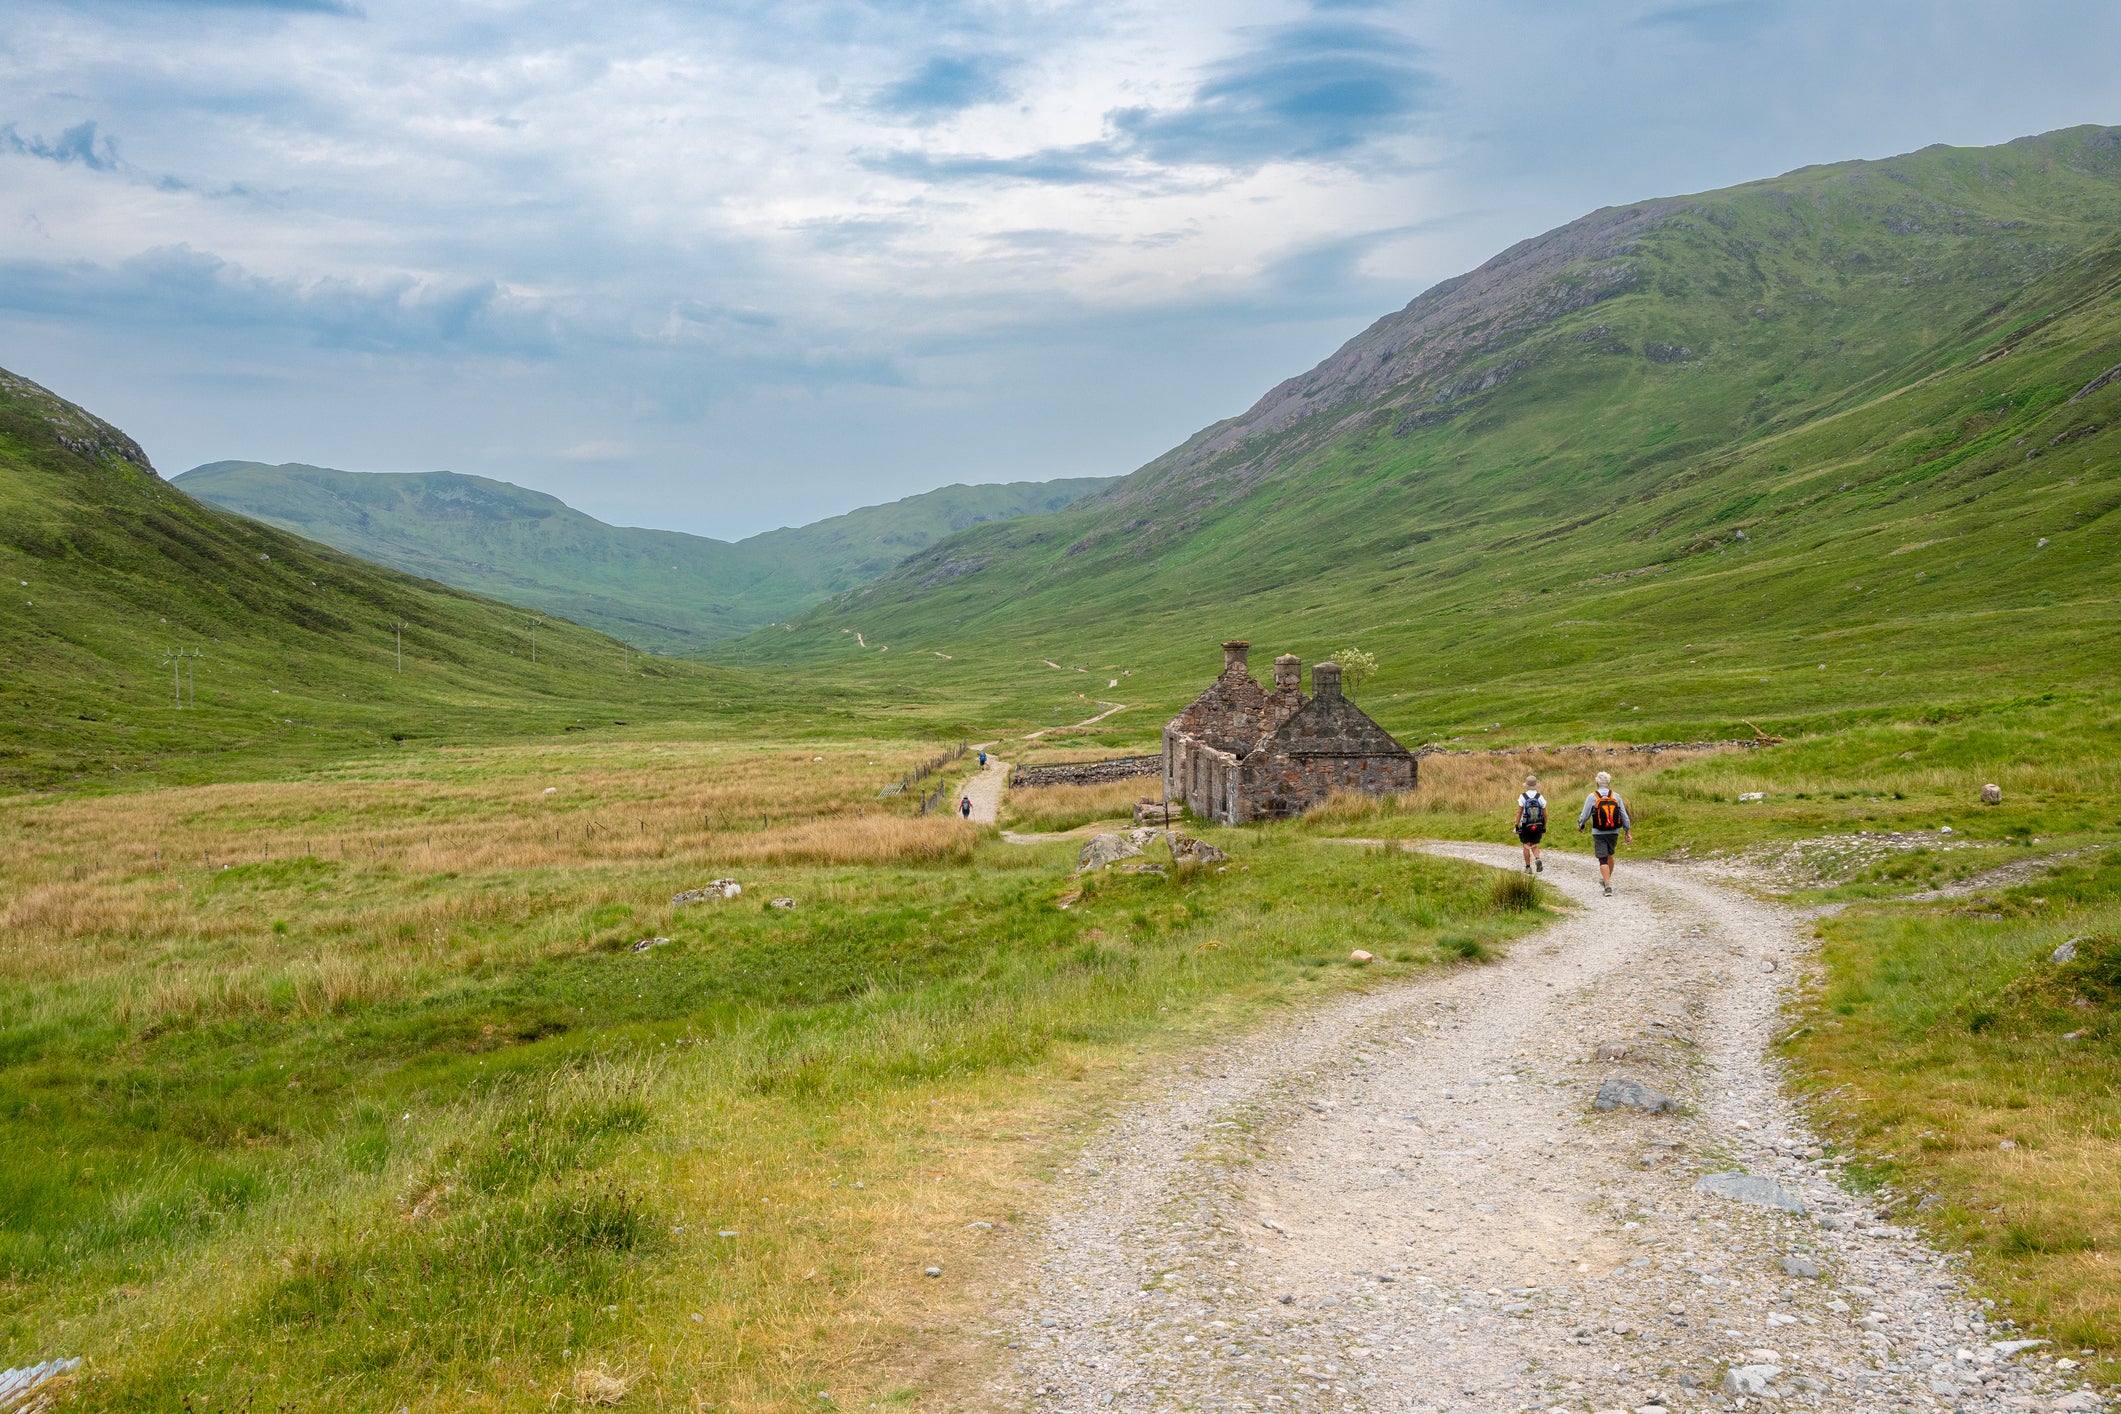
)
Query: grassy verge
[
  {"x": 1983, "y": 1078},
  {"x": 355, "y": 1091}
]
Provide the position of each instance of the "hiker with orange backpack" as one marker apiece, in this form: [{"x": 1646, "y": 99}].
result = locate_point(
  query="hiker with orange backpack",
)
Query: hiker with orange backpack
[{"x": 1607, "y": 815}]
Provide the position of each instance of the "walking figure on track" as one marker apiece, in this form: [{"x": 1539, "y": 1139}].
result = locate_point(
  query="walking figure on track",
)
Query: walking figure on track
[
  {"x": 1531, "y": 825},
  {"x": 1607, "y": 815},
  {"x": 964, "y": 808}
]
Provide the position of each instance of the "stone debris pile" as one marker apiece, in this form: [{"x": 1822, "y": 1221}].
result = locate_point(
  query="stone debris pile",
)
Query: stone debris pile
[{"x": 718, "y": 890}]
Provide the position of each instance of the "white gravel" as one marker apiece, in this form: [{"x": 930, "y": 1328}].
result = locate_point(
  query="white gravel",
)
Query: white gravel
[{"x": 1402, "y": 1200}]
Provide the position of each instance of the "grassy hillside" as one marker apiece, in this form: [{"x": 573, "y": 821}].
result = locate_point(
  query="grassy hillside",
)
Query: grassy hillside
[
  {"x": 110, "y": 572},
  {"x": 657, "y": 589},
  {"x": 1803, "y": 451}
]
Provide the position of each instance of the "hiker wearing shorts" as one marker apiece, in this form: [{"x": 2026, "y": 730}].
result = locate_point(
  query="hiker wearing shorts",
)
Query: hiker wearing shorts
[
  {"x": 1531, "y": 825},
  {"x": 1607, "y": 815}
]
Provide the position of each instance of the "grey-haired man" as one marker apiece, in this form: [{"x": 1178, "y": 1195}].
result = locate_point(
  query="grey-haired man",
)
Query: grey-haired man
[{"x": 1607, "y": 815}]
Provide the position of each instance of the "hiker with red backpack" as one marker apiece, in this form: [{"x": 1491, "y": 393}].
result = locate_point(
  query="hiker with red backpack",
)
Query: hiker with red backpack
[
  {"x": 1531, "y": 825},
  {"x": 1607, "y": 815}
]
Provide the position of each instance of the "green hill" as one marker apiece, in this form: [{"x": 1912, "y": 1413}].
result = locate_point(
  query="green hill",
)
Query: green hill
[
  {"x": 659, "y": 589},
  {"x": 110, "y": 573},
  {"x": 1804, "y": 449}
]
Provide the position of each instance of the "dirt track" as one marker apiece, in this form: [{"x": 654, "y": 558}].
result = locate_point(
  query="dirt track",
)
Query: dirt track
[{"x": 1405, "y": 1201}]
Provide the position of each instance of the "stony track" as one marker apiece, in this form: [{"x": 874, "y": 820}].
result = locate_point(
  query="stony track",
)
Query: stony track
[{"x": 1404, "y": 1200}]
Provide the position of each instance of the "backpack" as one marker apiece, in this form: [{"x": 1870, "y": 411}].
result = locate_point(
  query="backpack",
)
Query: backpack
[
  {"x": 1605, "y": 813},
  {"x": 1534, "y": 816}
]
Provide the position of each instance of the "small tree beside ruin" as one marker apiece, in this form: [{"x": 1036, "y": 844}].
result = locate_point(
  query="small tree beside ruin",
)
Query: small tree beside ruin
[{"x": 1355, "y": 667}]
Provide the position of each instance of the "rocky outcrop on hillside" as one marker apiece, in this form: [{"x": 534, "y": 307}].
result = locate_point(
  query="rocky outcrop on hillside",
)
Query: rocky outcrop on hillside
[{"x": 76, "y": 429}]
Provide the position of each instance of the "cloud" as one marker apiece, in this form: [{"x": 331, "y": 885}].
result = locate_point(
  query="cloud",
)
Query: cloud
[
  {"x": 1305, "y": 92},
  {"x": 1313, "y": 91},
  {"x": 944, "y": 85},
  {"x": 187, "y": 288},
  {"x": 79, "y": 143}
]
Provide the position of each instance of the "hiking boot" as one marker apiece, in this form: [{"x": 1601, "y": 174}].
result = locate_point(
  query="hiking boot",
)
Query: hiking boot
[
  {"x": 1608, "y": 890},
  {"x": 1528, "y": 869},
  {"x": 1539, "y": 866}
]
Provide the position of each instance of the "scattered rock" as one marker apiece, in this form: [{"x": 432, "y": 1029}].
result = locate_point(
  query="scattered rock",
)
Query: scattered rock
[
  {"x": 1992, "y": 794},
  {"x": 2066, "y": 953},
  {"x": 2014, "y": 1347},
  {"x": 1750, "y": 1188},
  {"x": 1616, "y": 1050},
  {"x": 552, "y": 790},
  {"x": 1156, "y": 869},
  {"x": 719, "y": 889},
  {"x": 781, "y": 903},
  {"x": 646, "y": 943},
  {"x": 1621, "y": 1093},
  {"x": 932, "y": 1272},
  {"x": 1757, "y": 1381},
  {"x": 1748, "y": 797},
  {"x": 1187, "y": 850},
  {"x": 1796, "y": 1266},
  {"x": 1361, "y": 958},
  {"x": 1102, "y": 850},
  {"x": 2081, "y": 1401}
]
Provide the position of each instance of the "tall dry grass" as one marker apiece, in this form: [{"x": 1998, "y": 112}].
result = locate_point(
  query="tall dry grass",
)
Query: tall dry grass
[{"x": 1065, "y": 807}]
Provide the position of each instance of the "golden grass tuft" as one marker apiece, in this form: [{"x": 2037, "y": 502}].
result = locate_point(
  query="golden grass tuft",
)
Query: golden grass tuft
[{"x": 1065, "y": 807}]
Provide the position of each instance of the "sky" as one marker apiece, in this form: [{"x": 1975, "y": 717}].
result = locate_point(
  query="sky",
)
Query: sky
[{"x": 719, "y": 267}]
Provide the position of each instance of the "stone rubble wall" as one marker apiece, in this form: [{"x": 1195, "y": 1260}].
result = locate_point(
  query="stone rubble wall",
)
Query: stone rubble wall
[{"x": 1086, "y": 773}]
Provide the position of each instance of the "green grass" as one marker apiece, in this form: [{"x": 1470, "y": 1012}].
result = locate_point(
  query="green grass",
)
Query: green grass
[
  {"x": 657, "y": 589},
  {"x": 395, "y": 1124}
]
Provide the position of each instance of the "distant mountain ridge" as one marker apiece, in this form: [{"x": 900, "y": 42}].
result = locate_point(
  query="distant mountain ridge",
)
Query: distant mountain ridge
[
  {"x": 1857, "y": 414},
  {"x": 146, "y": 633},
  {"x": 658, "y": 589}
]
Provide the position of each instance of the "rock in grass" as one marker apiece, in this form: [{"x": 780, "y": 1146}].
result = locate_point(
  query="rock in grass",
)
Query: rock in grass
[
  {"x": 1750, "y": 1188},
  {"x": 1992, "y": 794},
  {"x": 1616, "y": 1050},
  {"x": 1748, "y": 797},
  {"x": 2065, "y": 954},
  {"x": 1187, "y": 850},
  {"x": 782, "y": 903},
  {"x": 1361, "y": 958},
  {"x": 719, "y": 889},
  {"x": 1106, "y": 849},
  {"x": 1621, "y": 1093},
  {"x": 932, "y": 1271},
  {"x": 646, "y": 943},
  {"x": 1795, "y": 1266}
]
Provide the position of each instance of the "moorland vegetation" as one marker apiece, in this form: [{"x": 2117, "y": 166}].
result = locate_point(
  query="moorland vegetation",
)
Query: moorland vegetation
[{"x": 353, "y": 1051}]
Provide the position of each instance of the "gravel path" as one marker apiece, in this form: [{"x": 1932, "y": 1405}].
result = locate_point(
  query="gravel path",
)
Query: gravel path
[
  {"x": 985, "y": 789},
  {"x": 1404, "y": 1200}
]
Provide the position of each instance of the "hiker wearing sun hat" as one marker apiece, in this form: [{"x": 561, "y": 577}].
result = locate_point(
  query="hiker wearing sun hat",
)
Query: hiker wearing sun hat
[{"x": 1607, "y": 815}]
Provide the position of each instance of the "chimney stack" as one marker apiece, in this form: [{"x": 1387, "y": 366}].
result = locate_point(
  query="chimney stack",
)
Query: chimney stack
[
  {"x": 1325, "y": 681},
  {"x": 1234, "y": 651},
  {"x": 1288, "y": 673}
]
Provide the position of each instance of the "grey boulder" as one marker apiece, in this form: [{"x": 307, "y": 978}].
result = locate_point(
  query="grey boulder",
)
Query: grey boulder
[
  {"x": 1750, "y": 1188},
  {"x": 1106, "y": 849},
  {"x": 1757, "y": 1381},
  {"x": 1795, "y": 1266},
  {"x": 1187, "y": 850},
  {"x": 1621, "y": 1093}
]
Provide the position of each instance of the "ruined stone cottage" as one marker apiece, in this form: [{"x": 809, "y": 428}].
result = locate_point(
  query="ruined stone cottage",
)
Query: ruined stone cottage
[{"x": 1241, "y": 752}]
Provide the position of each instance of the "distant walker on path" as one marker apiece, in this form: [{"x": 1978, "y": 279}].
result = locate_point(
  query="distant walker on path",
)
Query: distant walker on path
[
  {"x": 1531, "y": 825},
  {"x": 964, "y": 808},
  {"x": 1607, "y": 815}
]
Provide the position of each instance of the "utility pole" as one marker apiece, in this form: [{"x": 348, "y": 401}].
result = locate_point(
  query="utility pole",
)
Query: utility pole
[{"x": 176, "y": 677}]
